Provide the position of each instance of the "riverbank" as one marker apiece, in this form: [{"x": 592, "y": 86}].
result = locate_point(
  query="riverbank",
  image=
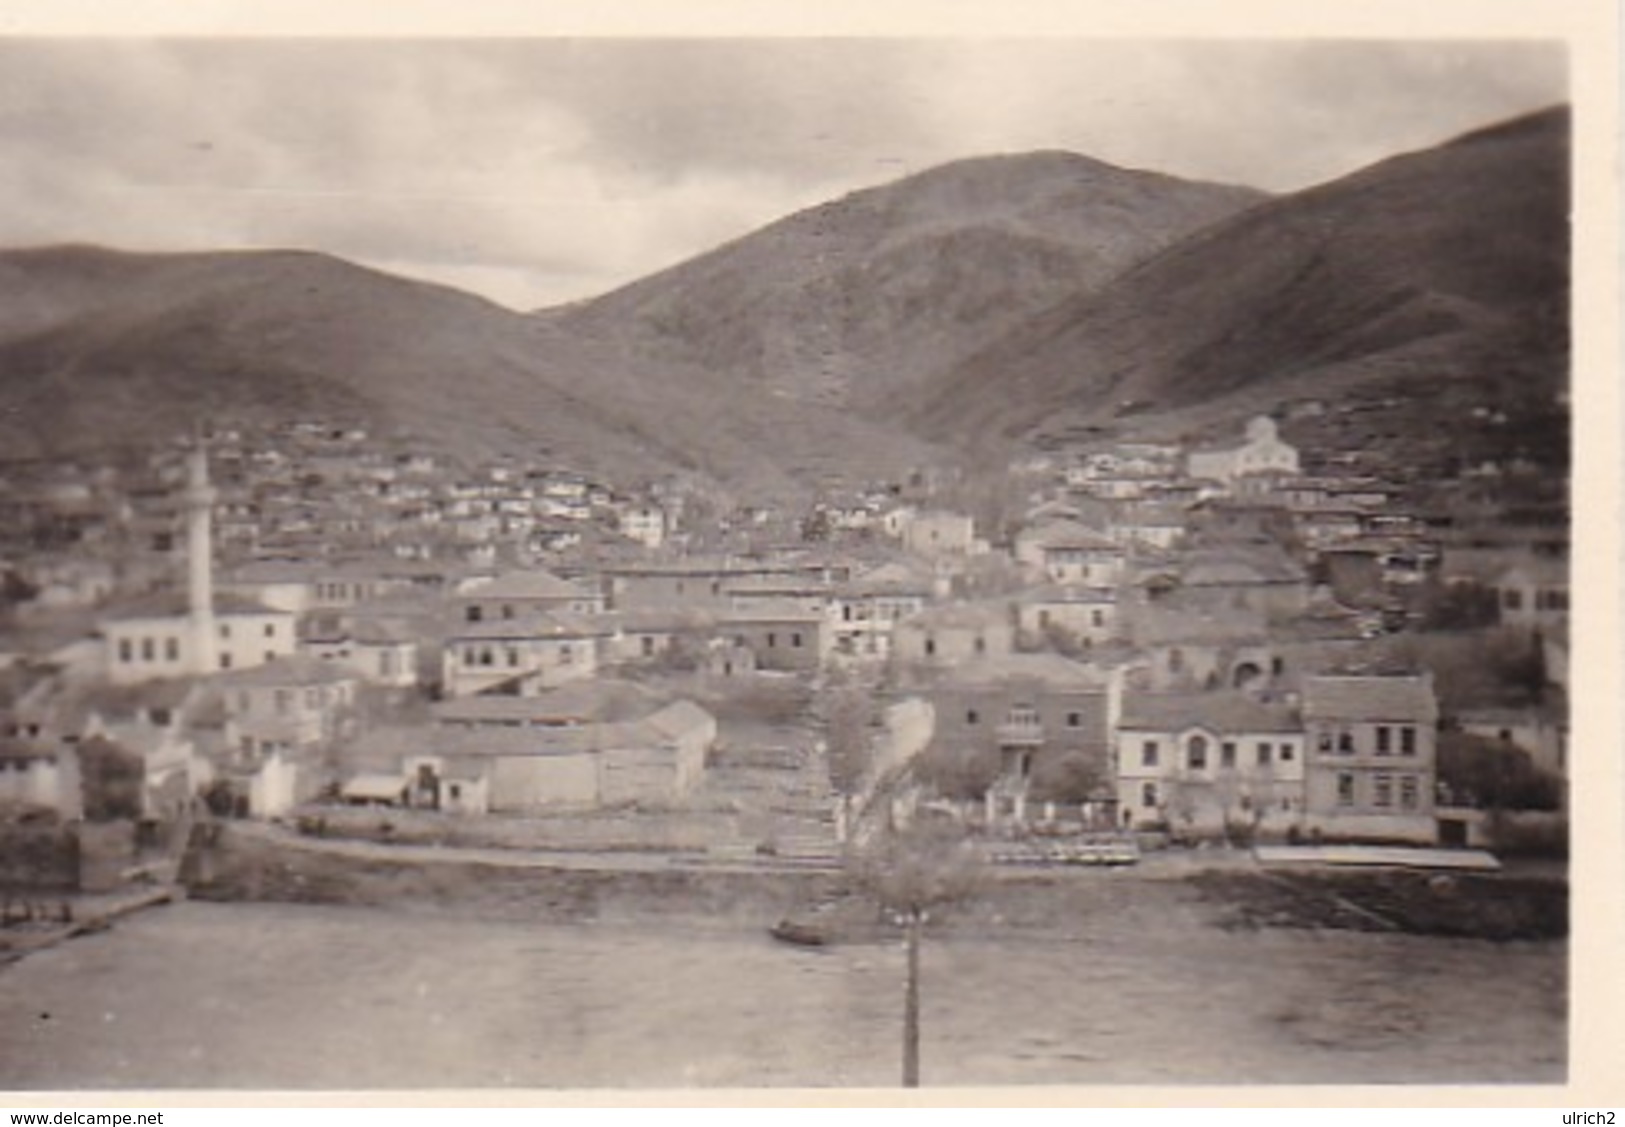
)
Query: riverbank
[
  {"x": 1136, "y": 987},
  {"x": 260, "y": 864},
  {"x": 72, "y": 915}
]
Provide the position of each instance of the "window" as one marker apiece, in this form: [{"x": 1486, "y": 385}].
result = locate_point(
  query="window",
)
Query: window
[
  {"x": 1512, "y": 599},
  {"x": 283, "y": 701},
  {"x": 172, "y": 649},
  {"x": 1022, "y": 716},
  {"x": 473, "y": 612},
  {"x": 126, "y": 651},
  {"x": 772, "y": 639},
  {"x": 1196, "y": 753},
  {"x": 269, "y": 656},
  {"x": 1345, "y": 788},
  {"x": 147, "y": 650},
  {"x": 1098, "y": 617},
  {"x": 1382, "y": 790},
  {"x": 1148, "y": 753},
  {"x": 1176, "y": 660},
  {"x": 225, "y": 661},
  {"x": 1384, "y": 740},
  {"x": 1148, "y": 795},
  {"x": 1074, "y": 720},
  {"x": 1408, "y": 792},
  {"x": 971, "y": 716},
  {"x": 795, "y": 640},
  {"x": 486, "y": 657},
  {"x": 567, "y": 654},
  {"x": 507, "y": 611},
  {"x": 1277, "y": 667},
  {"x": 1324, "y": 741},
  {"x": 225, "y": 631},
  {"x": 648, "y": 646},
  {"x": 930, "y": 647},
  {"x": 980, "y": 645},
  {"x": 1286, "y": 753},
  {"x": 513, "y": 657},
  {"x": 1265, "y": 751},
  {"x": 1345, "y": 742},
  {"x": 1407, "y": 740},
  {"x": 386, "y": 663},
  {"x": 1227, "y": 754},
  {"x": 270, "y": 630},
  {"x": 846, "y": 612}
]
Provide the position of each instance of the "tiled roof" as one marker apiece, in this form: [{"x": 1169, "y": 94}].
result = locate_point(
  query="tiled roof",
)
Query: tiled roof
[
  {"x": 531, "y": 626},
  {"x": 964, "y": 616},
  {"x": 1239, "y": 564},
  {"x": 1050, "y": 669},
  {"x": 1067, "y": 534},
  {"x": 1333, "y": 697},
  {"x": 655, "y": 730},
  {"x": 173, "y": 604},
  {"x": 528, "y": 585},
  {"x": 1060, "y": 593},
  {"x": 599, "y": 698},
  {"x": 1186, "y": 619},
  {"x": 772, "y": 610},
  {"x": 1542, "y": 571},
  {"x": 659, "y": 620},
  {"x": 271, "y": 571},
  {"x": 1220, "y": 712},
  {"x": 296, "y": 670}
]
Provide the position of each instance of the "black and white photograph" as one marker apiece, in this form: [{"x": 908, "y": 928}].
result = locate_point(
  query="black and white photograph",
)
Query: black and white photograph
[{"x": 712, "y": 562}]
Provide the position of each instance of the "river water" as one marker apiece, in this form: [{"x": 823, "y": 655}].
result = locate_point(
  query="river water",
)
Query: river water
[{"x": 266, "y": 996}]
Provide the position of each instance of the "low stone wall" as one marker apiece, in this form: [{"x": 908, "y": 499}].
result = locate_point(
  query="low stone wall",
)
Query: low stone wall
[{"x": 244, "y": 866}]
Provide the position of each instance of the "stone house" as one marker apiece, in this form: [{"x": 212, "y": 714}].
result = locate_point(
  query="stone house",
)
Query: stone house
[
  {"x": 1085, "y": 615},
  {"x": 589, "y": 745},
  {"x": 1371, "y": 768},
  {"x": 1028, "y": 709},
  {"x": 1071, "y": 553},
  {"x": 867, "y": 608},
  {"x": 1199, "y": 762},
  {"x": 942, "y": 636},
  {"x": 553, "y": 648}
]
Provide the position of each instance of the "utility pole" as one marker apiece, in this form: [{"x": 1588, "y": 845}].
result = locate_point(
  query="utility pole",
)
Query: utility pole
[{"x": 911, "y": 1003}]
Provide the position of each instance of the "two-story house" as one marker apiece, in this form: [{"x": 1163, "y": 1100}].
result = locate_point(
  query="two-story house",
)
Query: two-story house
[
  {"x": 1371, "y": 747},
  {"x": 1202, "y": 762},
  {"x": 550, "y": 648},
  {"x": 1030, "y": 710},
  {"x": 1071, "y": 553}
]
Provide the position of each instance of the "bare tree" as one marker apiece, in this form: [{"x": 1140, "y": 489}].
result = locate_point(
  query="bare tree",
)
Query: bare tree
[
  {"x": 849, "y": 712},
  {"x": 912, "y": 872}
]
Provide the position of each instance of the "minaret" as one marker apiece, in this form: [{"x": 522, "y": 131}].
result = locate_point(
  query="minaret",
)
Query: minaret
[{"x": 200, "y": 561}]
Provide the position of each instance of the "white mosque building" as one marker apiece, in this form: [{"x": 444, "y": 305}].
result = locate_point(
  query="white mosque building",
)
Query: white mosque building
[{"x": 201, "y": 632}]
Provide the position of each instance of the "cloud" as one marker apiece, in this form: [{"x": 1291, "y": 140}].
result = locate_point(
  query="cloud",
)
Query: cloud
[{"x": 544, "y": 170}]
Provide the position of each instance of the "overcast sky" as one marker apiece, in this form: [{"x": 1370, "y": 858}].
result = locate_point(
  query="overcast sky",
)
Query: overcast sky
[{"x": 541, "y": 171}]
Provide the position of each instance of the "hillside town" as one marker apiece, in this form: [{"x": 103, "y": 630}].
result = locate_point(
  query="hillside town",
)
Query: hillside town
[{"x": 1230, "y": 641}]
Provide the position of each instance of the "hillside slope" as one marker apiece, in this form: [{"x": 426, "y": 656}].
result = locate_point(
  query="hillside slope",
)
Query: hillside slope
[
  {"x": 1428, "y": 281},
  {"x": 852, "y": 301},
  {"x": 97, "y": 345}
]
